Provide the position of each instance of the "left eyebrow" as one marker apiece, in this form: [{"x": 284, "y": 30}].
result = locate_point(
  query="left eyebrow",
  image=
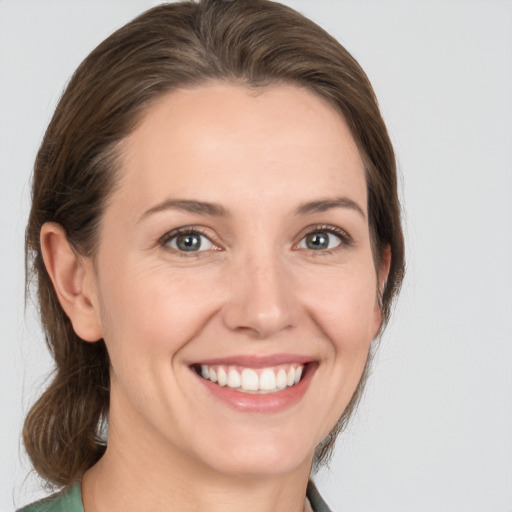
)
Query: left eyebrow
[
  {"x": 188, "y": 205},
  {"x": 323, "y": 205}
]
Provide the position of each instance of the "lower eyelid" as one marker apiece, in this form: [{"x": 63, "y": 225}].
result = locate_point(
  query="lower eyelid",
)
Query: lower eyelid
[
  {"x": 344, "y": 238},
  {"x": 165, "y": 240}
]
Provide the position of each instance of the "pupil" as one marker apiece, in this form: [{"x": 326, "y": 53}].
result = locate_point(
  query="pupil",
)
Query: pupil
[
  {"x": 317, "y": 241},
  {"x": 188, "y": 242}
]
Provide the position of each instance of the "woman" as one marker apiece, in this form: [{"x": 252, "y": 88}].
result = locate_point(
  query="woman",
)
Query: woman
[{"x": 215, "y": 232}]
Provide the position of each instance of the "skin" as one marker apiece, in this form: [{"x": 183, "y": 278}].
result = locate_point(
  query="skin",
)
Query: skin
[{"x": 256, "y": 289}]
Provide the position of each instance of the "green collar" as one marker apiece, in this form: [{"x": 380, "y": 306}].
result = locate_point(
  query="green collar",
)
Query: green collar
[{"x": 70, "y": 500}]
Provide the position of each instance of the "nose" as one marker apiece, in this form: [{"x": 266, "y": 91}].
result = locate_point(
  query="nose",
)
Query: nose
[{"x": 261, "y": 298}]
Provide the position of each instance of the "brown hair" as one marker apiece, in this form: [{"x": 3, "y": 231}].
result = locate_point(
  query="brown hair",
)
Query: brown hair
[{"x": 251, "y": 42}]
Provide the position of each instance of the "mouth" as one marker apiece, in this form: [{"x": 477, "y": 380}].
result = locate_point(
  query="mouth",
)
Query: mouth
[
  {"x": 249, "y": 380},
  {"x": 252, "y": 384}
]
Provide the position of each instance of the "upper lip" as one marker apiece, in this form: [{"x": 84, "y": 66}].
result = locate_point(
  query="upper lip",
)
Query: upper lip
[{"x": 253, "y": 361}]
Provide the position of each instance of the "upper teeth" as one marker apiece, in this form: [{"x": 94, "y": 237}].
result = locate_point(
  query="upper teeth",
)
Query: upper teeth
[{"x": 253, "y": 380}]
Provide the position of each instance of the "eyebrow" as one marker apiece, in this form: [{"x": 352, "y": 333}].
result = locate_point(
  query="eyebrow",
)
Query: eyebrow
[
  {"x": 217, "y": 210},
  {"x": 188, "y": 205},
  {"x": 324, "y": 205}
]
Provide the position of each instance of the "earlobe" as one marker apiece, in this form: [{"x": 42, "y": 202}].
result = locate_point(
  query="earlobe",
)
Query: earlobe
[{"x": 73, "y": 280}]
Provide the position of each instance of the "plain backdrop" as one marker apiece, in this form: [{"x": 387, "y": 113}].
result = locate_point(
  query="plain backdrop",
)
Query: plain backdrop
[{"x": 434, "y": 432}]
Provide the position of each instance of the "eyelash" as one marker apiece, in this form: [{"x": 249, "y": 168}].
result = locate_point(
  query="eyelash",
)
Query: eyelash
[
  {"x": 346, "y": 241},
  {"x": 186, "y": 230}
]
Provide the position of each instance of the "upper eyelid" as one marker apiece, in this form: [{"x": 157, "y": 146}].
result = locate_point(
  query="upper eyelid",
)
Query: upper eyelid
[
  {"x": 346, "y": 240},
  {"x": 342, "y": 233},
  {"x": 169, "y": 235}
]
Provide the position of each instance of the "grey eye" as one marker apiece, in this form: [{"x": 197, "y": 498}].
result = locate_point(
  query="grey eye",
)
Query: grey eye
[
  {"x": 320, "y": 241},
  {"x": 190, "y": 242}
]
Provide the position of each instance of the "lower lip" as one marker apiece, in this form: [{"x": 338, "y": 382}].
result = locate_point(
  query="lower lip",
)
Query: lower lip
[{"x": 261, "y": 403}]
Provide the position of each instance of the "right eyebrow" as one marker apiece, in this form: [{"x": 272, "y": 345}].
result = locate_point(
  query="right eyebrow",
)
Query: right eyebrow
[
  {"x": 323, "y": 205},
  {"x": 187, "y": 205}
]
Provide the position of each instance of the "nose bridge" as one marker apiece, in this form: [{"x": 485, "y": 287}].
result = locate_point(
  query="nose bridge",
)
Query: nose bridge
[{"x": 261, "y": 299}]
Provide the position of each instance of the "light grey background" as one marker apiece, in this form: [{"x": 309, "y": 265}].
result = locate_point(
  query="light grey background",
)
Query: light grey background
[{"x": 434, "y": 432}]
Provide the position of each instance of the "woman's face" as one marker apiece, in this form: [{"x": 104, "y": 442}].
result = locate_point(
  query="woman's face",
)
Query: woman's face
[{"x": 236, "y": 249}]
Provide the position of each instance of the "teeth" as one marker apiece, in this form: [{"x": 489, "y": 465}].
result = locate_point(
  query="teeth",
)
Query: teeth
[
  {"x": 290, "y": 377},
  {"x": 234, "y": 379},
  {"x": 267, "y": 380},
  {"x": 298, "y": 374},
  {"x": 222, "y": 376},
  {"x": 281, "y": 379},
  {"x": 249, "y": 380}
]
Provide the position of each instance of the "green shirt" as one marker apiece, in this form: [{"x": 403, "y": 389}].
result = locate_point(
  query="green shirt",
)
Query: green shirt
[{"x": 70, "y": 500}]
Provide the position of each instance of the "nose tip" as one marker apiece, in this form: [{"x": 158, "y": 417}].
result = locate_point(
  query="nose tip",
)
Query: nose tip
[{"x": 260, "y": 303}]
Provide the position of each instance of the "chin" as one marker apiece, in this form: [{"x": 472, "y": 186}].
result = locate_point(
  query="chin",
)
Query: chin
[{"x": 270, "y": 456}]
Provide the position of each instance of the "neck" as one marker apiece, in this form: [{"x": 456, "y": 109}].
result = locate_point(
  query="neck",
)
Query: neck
[
  {"x": 109, "y": 486},
  {"x": 140, "y": 472}
]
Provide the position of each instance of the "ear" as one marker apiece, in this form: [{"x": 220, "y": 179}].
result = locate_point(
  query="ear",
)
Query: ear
[
  {"x": 382, "y": 275},
  {"x": 74, "y": 281}
]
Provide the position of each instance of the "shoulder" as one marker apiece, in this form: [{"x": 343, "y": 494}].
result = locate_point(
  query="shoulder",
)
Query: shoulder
[
  {"x": 67, "y": 500},
  {"x": 317, "y": 502}
]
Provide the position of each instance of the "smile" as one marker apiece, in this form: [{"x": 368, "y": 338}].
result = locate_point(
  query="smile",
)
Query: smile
[{"x": 253, "y": 380}]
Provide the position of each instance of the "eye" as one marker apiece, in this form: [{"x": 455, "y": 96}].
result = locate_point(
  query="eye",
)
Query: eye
[
  {"x": 324, "y": 239},
  {"x": 187, "y": 241}
]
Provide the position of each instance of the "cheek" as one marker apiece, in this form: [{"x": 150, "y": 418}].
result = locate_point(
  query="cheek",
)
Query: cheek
[
  {"x": 347, "y": 315},
  {"x": 154, "y": 311},
  {"x": 344, "y": 306}
]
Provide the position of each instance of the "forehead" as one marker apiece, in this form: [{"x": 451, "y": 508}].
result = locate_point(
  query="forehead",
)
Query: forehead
[{"x": 222, "y": 138}]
